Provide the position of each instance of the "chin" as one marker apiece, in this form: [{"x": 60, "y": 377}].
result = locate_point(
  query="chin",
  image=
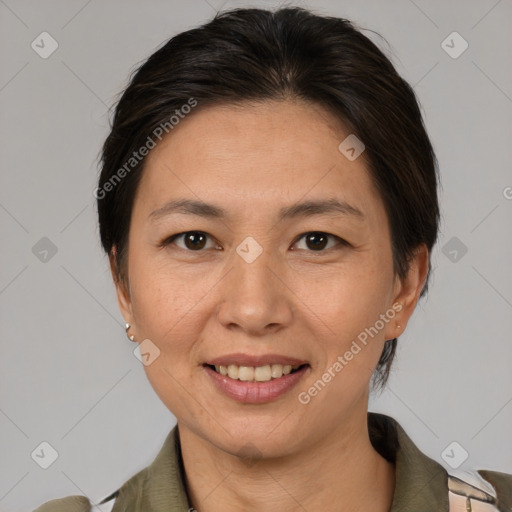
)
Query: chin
[{"x": 256, "y": 443}]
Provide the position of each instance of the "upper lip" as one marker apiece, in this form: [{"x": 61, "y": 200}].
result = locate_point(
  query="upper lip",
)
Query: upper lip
[{"x": 248, "y": 360}]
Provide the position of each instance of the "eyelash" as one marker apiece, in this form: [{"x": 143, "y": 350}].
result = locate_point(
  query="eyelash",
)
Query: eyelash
[{"x": 169, "y": 240}]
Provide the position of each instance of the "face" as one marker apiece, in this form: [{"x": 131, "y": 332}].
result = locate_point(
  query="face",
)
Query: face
[{"x": 288, "y": 260}]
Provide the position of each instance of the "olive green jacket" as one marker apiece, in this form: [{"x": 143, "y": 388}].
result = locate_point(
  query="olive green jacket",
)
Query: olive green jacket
[{"x": 421, "y": 484}]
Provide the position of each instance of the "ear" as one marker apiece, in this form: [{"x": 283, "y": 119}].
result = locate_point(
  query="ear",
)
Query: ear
[
  {"x": 407, "y": 291},
  {"x": 122, "y": 288}
]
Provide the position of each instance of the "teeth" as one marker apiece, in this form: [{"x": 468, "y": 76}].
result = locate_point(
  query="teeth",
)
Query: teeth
[
  {"x": 262, "y": 373},
  {"x": 276, "y": 371},
  {"x": 233, "y": 371},
  {"x": 246, "y": 373},
  {"x": 257, "y": 374}
]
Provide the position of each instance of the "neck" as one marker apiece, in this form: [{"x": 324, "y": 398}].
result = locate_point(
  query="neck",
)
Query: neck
[{"x": 343, "y": 472}]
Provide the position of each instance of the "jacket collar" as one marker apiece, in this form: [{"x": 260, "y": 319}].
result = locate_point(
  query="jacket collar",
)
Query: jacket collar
[{"x": 421, "y": 483}]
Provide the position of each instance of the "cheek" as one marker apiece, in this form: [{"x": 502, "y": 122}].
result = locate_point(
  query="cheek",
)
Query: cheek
[
  {"x": 164, "y": 313},
  {"x": 350, "y": 336},
  {"x": 165, "y": 306},
  {"x": 346, "y": 308},
  {"x": 349, "y": 298}
]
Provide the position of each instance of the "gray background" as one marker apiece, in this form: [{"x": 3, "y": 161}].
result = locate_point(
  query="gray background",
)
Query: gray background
[{"x": 68, "y": 374}]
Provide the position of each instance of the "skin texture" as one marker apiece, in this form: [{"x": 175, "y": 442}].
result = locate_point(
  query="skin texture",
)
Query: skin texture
[{"x": 293, "y": 300}]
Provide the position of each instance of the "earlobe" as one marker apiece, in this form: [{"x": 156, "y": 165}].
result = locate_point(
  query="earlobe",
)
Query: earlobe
[
  {"x": 409, "y": 289},
  {"x": 122, "y": 291}
]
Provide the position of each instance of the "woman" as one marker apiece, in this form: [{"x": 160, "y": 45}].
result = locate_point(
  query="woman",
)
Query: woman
[{"x": 268, "y": 202}]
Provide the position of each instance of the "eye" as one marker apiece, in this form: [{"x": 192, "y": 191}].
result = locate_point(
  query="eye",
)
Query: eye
[
  {"x": 318, "y": 240},
  {"x": 193, "y": 241}
]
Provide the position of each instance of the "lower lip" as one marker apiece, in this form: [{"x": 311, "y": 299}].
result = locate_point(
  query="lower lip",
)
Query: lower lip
[{"x": 256, "y": 392}]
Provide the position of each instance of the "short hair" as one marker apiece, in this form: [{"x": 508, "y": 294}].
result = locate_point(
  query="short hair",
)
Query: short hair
[{"x": 253, "y": 55}]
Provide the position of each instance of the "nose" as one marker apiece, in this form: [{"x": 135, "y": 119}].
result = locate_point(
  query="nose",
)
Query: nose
[{"x": 255, "y": 297}]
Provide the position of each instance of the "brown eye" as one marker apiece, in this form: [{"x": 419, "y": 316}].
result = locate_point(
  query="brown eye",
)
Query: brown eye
[
  {"x": 317, "y": 240},
  {"x": 192, "y": 240}
]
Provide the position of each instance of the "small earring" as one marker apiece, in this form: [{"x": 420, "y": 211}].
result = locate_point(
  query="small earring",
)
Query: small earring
[
  {"x": 132, "y": 337},
  {"x": 398, "y": 326}
]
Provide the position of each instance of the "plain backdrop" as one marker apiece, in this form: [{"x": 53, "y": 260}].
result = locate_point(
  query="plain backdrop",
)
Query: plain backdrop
[{"x": 68, "y": 374}]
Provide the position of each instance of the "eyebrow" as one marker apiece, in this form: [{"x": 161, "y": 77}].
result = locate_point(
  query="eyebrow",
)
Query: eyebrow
[{"x": 304, "y": 209}]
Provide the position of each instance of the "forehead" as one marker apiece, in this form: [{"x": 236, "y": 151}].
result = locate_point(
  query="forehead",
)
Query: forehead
[{"x": 256, "y": 155}]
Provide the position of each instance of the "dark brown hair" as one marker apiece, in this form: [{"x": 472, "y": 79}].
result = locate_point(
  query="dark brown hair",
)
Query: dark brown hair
[{"x": 248, "y": 55}]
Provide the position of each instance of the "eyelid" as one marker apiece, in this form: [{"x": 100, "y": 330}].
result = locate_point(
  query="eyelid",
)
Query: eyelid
[
  {"x": 340, "y": 240},
  {"x": 169, "y": 240}
]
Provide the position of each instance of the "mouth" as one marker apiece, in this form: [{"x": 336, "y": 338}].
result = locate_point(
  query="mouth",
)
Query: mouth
[
  {"x": 255, "y": 379},
  {"x": 262, "y": 373}
]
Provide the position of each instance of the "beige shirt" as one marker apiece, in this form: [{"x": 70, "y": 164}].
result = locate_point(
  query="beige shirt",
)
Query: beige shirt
[{"x": 421, "y": 484}]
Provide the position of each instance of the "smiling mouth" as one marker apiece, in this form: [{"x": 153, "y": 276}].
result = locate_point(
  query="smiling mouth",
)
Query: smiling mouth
[{"x": 263, "y": 373}]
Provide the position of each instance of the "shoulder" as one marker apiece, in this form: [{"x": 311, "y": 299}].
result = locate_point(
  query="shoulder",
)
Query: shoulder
[
  {"x": 480, "y": 491},
  {"x": 68, "y": 504},
  {"x": 76, "y": 504},
  {"x": 124, "y": 497},
  {"x": 421, "y": 480}
]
